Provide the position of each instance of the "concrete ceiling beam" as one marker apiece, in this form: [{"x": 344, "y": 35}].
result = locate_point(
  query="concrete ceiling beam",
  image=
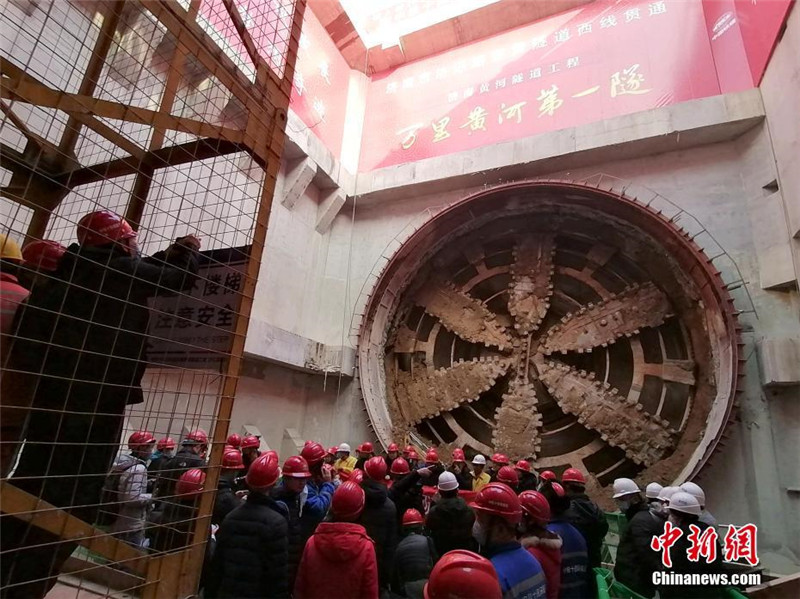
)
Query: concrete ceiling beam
[
  {"x": 298, "y": 179},
  {"x": 330, "y": 205}
]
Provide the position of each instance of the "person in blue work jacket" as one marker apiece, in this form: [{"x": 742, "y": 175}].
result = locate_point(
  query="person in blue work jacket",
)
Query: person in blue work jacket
[
  {"x": 575, "y": 581},
  {"x": 498, "y": 511},
  {"x": 319, "y": 488}
]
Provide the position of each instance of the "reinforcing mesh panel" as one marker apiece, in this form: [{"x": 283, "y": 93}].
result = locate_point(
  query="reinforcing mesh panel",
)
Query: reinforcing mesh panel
[{"x": 140, "y": 145}]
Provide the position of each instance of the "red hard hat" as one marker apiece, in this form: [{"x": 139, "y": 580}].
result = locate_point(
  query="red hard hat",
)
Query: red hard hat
[
  {"x": 249, "y": 442},
  {"x": 558, "y": 490},
  {"x": 43, "y": 254},
  {"x": 408, "y": 449},
  {"x": 499, "y": 500},
  {"x": 548, "y": 475},
  {"x": 296, "y": 467},
  {"x": 348, "y": 501},
  {"x": 536, "y": 506},
  {"x": 461, "y": 574},
  {"x": 523, "y": 465},
  {"x": 412, "y": 516},
  {"x": 234, "y": 440},
  {"x": 573, "y": 475},
  {"x": 365, "y": 447},
  {"x": 190, "y": 483},
  {"x": 263, "y": 472},
  {"x": 357, "y": 476},
  {"x": 332, "y": 451},
  {"x": 103, "y": 227},
  {"x": 500, "y": 458},
  {"x": 431, "y": 456},
  {"x": 412, "y": 455},
  {"x": 392, "y": 447},
  {"x": 232, "y": 460},
  {"x": 140, "y": 439},
  {"x": 313, "y": 452},
  {"x": 458, "y": 455},
  {"x": 165, "y": 443},
  {"x": 198, "y": 436},
  {"x": 376, "y": 468},
  {"x": 508, "y": 475},
  {"x": 400, "y": 466}
]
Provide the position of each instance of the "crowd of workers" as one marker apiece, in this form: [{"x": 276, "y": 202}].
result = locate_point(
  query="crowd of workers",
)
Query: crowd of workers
[
  {"x": 330, "y": 523},
  {"x": 326, "y": 524}
]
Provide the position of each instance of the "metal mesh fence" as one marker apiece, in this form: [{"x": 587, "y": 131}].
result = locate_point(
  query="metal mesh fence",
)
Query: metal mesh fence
[{"x": 140, "y": 141}]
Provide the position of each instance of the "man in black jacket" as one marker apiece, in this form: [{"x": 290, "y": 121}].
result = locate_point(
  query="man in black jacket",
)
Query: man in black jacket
[
  {"x": 251, "y": 558},
  {"x": 585, "y": 515},
  {"x": 379, "y": 518},
  {"x": 406, "y": 491},
  {"x": 634, "y": 550},
  {"x": 191, "y": 455},
  {"x": 414, "y": 558},
  {"x": 83, "y": 343},
  {"x": 227, "y": 500},
  {"x": 291, "y": 492},
  {"x": 450, "y": 519}
]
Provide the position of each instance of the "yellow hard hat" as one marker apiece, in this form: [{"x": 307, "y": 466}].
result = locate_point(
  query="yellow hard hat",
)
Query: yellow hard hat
[{"x": 9, "y": 249}]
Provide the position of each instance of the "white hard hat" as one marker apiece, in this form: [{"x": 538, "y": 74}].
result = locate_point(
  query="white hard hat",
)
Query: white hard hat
[
  {"x": 683, "y": 502},
  {"x": 652, "y": 490},
  {"x": 667, "y": 492},
  {"x": 479, "y": 459},
  {"x": 625, "y": 486},
  {"x": 447, "y": 481},
  {"x": 344, "y": 447},
  {"x": 695, "y": 491}
]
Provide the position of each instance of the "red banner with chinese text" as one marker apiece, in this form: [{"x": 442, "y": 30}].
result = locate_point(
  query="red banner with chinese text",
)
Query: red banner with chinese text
[{"x": 606, "y": 59}]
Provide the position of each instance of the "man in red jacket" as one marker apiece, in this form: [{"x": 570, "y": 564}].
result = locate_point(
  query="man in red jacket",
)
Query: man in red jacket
[{"x": 339, "y": 558}]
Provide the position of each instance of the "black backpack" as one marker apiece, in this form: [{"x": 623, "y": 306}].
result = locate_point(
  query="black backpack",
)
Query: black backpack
[{"x": 109, "y": 497}]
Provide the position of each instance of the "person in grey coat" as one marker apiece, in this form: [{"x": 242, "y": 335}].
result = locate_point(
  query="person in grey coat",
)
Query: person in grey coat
[{"x": 130, "y": 473}]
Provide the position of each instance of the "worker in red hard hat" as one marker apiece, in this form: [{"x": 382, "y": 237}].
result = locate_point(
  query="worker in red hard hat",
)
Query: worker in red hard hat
[
  {"x": 543, "y": 544},
  {"x": 40, "y": 260},
  {"x": 364, "y": 452},
  {"x": 165, "y": 451},
  {"x": 463, "y": 575},
  {"x": 450, "y": 519},
  {"x": 508, "y": 476},
  {"x": 413, "y": 459},
  {"x": 191, "y": 455},
  {"x": 498, "y": 512},
  {"x": 330, "y": 456},
  {"x": 380, "y": 517},
  {"x": 339, "y": 559},
  {"x": 392, "y": 453},
  {"x": 320, "y": 487},
  {"x": 251, "y": 556},
  {"x": 250, "y": 447},
  {"x": 414, "y": 558},
  {"x": 226, "y": 499},
  {"x": 291, "y": 491},
  {"x": 576, "y": 576},
  {"x": 176, "y": 523},
  {"x": 126, "y": 486},
  {"x": 83, "y": 340},
  {"x": 406, "y": 488},
  {"x": 585, "y": 515},
  {"x": 546, "y": 476},
  {"x": 528, "y": 481},
  {"x": 234, "y": 440},
  {"x": 458, "y": 466},
  {"x": 498, "y": 461}
]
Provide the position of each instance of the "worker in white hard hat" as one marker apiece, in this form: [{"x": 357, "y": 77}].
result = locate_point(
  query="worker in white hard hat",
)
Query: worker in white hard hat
[
  {"x": 663, "y": 500},
  {"x": 345, "y": 463},
  {"x": 479, "y": 478},
  {"x": 635, "y": 560},
  {"x": 684, "y": 511},
  {"x": 651, "y": 492},
  {"x": 695, "y": 490}
]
